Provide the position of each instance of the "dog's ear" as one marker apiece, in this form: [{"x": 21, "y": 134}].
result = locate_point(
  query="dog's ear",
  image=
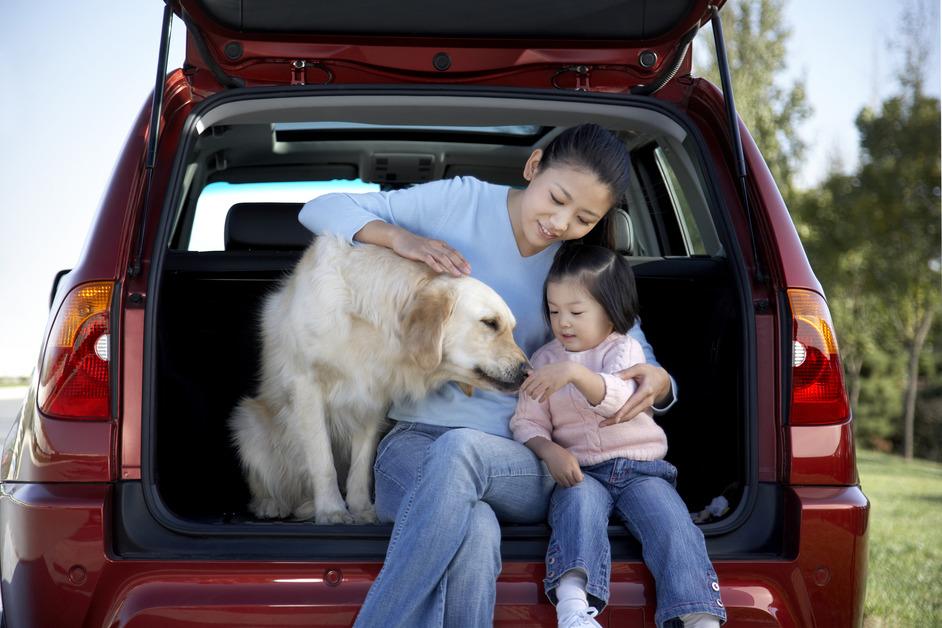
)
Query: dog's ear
[{"x": 423, "y": 325}]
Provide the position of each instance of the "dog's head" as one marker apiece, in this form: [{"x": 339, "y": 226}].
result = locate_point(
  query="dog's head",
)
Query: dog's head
[{"x": 461, "y": 330}]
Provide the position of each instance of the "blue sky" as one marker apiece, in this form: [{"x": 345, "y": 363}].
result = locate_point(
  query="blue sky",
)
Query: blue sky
[{"x": 75, "y": 74}]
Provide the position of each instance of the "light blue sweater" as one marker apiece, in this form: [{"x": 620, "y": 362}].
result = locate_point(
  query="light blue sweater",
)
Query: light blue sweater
[{"x": 472, "y": 217}]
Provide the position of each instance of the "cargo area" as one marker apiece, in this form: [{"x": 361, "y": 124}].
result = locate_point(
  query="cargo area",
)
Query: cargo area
[
  {"x": 209, "y": 359},
  {"x": 210, "y": 287}
]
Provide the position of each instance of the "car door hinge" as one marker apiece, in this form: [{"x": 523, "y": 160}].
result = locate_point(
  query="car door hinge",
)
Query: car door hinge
[
  {"x": 582, "y": 77},
  {"x": 297, "y": 72},
  {"x": 299, "y": 68}
]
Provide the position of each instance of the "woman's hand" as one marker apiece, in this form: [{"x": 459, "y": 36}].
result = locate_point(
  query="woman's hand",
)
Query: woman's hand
[
  {"x": 438, "y": 255},
  {"x": 546, "y": 380},
  {"x": 562, "y": 465},
  {"x": 653, "y": 384}
]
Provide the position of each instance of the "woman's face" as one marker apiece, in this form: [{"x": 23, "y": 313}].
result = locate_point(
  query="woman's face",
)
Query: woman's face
[{"x": 560, "y": 203}]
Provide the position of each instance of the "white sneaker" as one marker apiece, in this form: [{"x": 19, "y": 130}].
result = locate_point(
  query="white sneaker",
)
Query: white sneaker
[{"x": 579, "y": 619}]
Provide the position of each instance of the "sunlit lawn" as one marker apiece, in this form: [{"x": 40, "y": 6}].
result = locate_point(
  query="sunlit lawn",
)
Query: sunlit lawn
[{"x": 904, "y": 587}]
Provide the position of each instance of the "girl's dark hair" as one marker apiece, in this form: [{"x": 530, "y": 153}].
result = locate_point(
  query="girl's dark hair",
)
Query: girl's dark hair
[
  {"x": 591, "y": 148},
  {"x": 605, "y": 274}
]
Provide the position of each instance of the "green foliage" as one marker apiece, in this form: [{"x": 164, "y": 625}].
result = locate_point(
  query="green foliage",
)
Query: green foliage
[
  {"x": 899, "y": 192},
  {"x": 929, "y": 405},
  {"x": 929, "y": 422},
  {"x": 756, "y": 37},
  {"x": 878, "y": 411},
  {"x": 905, "y": 539}
]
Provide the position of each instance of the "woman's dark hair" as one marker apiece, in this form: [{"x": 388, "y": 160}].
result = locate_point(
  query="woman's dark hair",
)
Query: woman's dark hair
[
  {"x": 605, "y": 274},
  {"x": 591, "y": 148}
]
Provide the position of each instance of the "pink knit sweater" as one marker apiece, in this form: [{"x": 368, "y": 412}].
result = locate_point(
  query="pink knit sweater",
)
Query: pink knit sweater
[{"x": 568, "y": 419}]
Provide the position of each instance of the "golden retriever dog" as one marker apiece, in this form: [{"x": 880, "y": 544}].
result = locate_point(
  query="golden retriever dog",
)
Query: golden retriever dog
[{"x": 351, "y": 330}]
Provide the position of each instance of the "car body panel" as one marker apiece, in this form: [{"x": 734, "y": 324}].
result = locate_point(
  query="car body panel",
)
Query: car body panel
[
  {"x": 55, "y": 547},
  {"x": 819, "y": 454},
  {"x": 43, "y": 449}
]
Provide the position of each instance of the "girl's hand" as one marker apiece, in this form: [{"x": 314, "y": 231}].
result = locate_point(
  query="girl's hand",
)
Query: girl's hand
[
  {"x": 563, "y": 466},
  {"x": 653, "y": 384},
  {"x": 546, "y": 380},
  {"x": 438, "y": 255}
]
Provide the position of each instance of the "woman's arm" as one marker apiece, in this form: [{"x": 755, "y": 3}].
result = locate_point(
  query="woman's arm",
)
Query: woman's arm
[
  {"x": 439, "y": 256},
  {"x": 405, "y": 221},
  {"x": 656, "y": 388}
]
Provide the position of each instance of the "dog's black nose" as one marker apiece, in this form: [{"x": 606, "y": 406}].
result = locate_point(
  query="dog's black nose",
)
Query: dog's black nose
[{"x": 520, "y": 373}]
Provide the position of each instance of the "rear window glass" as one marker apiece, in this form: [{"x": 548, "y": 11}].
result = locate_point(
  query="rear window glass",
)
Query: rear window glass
[
  {"x": 209, "y": 220},
  {"x": 690, "y": 232}
]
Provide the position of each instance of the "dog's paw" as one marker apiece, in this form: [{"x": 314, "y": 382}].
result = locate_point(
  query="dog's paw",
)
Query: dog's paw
[
  {"x": 333, "y": 516},
  {"x": 305, "y": 512},
  {"x": 308, "y": 511},
  {"x": 270, "y": 509},
  {"x": 364, "y": 515}
]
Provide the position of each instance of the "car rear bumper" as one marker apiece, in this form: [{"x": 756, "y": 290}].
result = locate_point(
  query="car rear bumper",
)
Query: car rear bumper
[{"x": 58, "y": 569}]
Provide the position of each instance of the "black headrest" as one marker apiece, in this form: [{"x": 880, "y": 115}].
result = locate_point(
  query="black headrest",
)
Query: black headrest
[
  {"x": 265, "y": 227},
  {"x": 624, "y": 231}
]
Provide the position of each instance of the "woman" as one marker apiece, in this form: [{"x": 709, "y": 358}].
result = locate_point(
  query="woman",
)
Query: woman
[{"x": 449, "y": 469}]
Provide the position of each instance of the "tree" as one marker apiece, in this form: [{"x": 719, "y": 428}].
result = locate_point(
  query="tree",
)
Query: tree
[
  {"x": 900, "y": 180},
  {"x": 756, "y": 38},
  {"x": 900, "y": 193}
]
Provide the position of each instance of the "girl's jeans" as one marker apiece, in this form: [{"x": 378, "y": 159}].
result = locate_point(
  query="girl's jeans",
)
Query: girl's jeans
[
  {"x": 445, "y": 488},
  {"x": 643, "y": 495}
]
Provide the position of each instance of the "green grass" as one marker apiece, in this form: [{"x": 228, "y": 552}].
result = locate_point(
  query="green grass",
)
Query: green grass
[{"x": 904, "y": 583}]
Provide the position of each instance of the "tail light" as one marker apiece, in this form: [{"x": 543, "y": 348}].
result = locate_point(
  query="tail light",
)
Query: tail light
[
  {"x": 74, "y": 377},
  {"x": 818, "y": 394}
]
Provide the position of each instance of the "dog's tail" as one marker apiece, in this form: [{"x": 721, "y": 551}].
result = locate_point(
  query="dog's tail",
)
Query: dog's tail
[{"x": 251, "y": 428}]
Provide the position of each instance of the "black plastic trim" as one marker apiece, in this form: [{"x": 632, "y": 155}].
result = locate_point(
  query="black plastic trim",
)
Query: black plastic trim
[
  {"x": 55, "y": 285},
  {"x": 413, "y": 135},
  {"x": 785, "y": 329},
  {"x": 114, "y": 351},
  {"x": 137, "y": 535}
]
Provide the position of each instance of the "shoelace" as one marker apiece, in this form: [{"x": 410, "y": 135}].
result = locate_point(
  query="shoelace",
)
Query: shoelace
[{"x": 582, "y": 618}]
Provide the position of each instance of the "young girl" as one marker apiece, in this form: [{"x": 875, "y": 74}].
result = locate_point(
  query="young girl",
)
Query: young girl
[
  {"x": 564, "y": 414},
  {"x": 449, "y": 470}
]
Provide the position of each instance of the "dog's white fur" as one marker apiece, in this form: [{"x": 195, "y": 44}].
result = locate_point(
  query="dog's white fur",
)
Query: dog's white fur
[{"x": 352, "y": 329}]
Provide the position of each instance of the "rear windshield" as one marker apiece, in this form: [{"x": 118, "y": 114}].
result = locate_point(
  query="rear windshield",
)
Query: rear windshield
[
  {"x": 214, "y": 202},
  {"x": 275, "y": 166}
]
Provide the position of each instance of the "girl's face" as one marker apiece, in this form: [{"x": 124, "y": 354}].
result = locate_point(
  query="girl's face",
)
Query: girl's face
[
  {"x": 579, "y": 322},
  {"x": 560, "y": 203}
]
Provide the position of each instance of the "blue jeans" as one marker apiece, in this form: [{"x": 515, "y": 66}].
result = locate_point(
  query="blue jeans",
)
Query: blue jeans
[
  {"x": 445, "y": 488},
  {"x": 643, "y": 495}
]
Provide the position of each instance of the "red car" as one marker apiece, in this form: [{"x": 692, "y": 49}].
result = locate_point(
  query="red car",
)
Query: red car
[{"x": 122, "y": 499}]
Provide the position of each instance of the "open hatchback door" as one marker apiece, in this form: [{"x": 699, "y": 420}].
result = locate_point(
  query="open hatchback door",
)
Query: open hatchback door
[{"x": 594, "y": 45}]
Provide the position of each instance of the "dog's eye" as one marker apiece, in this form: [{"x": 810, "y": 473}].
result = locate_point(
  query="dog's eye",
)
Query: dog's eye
[{"x": 490, "y": 322}]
